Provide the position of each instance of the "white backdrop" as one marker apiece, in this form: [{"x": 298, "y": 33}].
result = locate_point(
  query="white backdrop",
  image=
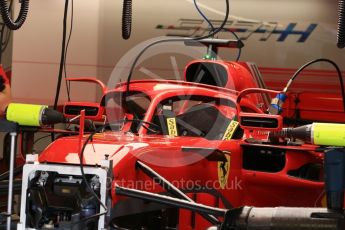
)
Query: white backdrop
[{"x": 96, "y": 43}]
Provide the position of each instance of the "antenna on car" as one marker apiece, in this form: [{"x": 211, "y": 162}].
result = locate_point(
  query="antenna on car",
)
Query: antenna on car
[{"x": 214, "y": 44}]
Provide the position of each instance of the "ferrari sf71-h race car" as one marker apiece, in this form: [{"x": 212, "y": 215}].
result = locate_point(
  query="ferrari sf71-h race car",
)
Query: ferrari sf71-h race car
[{"x": 164, "y": 154}]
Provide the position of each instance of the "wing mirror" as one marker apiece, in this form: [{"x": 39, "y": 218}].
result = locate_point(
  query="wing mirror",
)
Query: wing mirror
[
  {"x": 93, "y": 111},
  {"x": 260, "y": 121}
]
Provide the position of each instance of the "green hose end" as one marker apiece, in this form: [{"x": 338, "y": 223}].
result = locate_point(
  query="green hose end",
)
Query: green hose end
[{"x": 25, "y": 114}]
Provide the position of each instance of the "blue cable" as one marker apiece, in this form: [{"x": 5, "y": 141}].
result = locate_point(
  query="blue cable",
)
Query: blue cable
[
  {"x": 204, "y": 16},
  {"x": 212, "y": 28},
  {"x": 239, "y": 49}
]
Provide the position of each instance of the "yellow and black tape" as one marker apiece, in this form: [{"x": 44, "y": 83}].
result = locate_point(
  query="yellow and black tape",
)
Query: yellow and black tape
[
  {"x": 172, "y": 127},
  {"x": 230, "y": 130}
]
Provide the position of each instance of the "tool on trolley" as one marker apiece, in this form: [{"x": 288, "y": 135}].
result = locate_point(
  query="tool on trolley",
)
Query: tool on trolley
[
  {"x": 17, "y": 117},
  {"x": 11, "y": 128}
]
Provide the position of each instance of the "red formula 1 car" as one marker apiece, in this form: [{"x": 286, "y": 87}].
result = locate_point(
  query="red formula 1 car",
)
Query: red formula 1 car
[{"x": 204, "y": 139}]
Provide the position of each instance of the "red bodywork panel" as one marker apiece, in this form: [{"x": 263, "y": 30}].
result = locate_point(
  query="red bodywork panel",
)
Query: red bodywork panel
[
  {"x": 262, "y": 175},
  {"x": 244, "y": 186},
  {"x": 239, "y": 77},
  {"x": 311, "y": 106}
]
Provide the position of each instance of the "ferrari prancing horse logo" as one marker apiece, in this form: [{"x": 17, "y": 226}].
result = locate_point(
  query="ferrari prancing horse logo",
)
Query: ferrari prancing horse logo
[{"x": 223, "y": 171}]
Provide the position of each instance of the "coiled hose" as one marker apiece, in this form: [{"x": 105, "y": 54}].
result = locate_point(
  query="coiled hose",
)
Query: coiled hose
[
  {"x": 127, "y": 19},
  {"x": 24, "y": 8},
  {"x": 341, "y": 24}
]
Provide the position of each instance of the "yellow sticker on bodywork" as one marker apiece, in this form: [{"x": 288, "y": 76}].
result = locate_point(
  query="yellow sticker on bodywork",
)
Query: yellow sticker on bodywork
[
  {"x": 223, "y": 169},
  {"x": 232, "y": 127},
  {"x": 172, "y": 128},
  {"x": 324, "y": 201}
]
